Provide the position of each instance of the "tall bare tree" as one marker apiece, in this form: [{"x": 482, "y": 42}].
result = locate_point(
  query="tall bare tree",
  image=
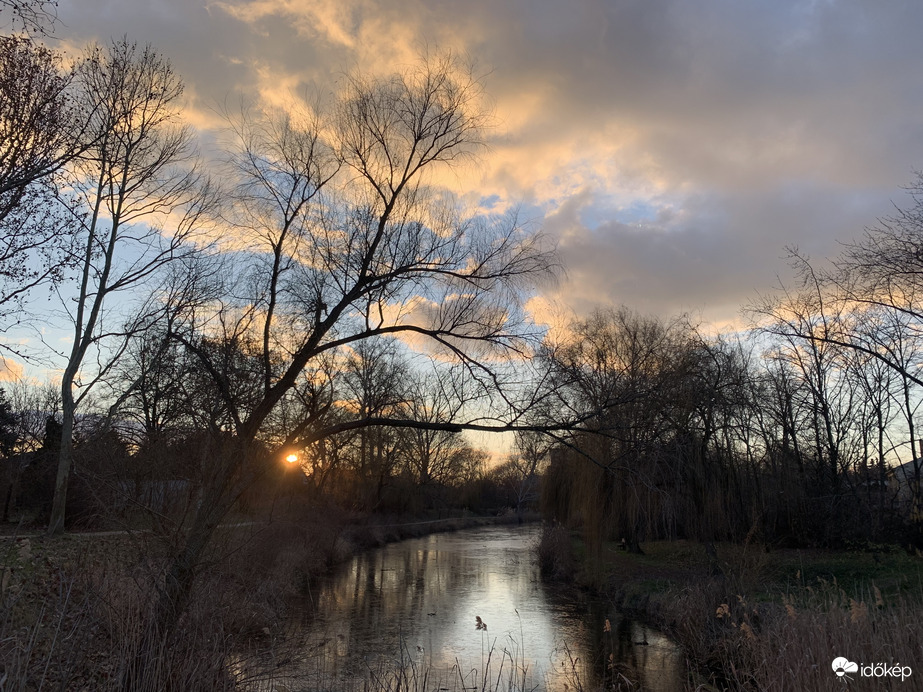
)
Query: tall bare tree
[
  {"x": 141, "y": 201},
  {"x": 382, "y": 252},
  {"x": 866, "y": 306}
]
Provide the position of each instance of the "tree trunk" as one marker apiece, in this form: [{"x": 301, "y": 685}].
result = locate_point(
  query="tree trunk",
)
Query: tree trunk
[{"x": 65, "y": 458}]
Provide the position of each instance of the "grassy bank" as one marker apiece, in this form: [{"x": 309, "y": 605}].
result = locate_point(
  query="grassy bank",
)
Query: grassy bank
[
  {"x": 73, "y": 608},
  {"x": 749, "y": 619}
]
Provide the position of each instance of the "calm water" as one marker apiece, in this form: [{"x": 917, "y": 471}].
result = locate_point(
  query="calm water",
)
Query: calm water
[{"x": 413, "y": 605}]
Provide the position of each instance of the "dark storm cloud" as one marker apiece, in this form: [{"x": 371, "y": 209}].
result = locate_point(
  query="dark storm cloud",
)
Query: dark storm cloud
[{"x": 710, "y": 258}]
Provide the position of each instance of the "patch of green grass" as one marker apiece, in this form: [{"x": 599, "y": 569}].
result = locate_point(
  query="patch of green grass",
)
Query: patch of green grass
[
  {"x": 682, "y": 554},
  {"x": 751, "y": 570},
  {"x": 894, "y": 573}
]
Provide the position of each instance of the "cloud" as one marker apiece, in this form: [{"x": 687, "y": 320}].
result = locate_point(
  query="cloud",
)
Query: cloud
[
  {"x": 673, "y": 148},
  {"x": 708, "y": 257},
  {"x": 10, "y": 370}
]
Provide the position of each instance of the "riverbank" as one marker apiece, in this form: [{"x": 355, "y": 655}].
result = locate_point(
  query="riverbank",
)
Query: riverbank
[
  {"x": 74, "y": 607},
  {"x": 755, "y": 620}
]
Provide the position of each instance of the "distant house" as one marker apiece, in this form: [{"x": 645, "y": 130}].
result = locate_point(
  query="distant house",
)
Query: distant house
[{"x": 905, "y": 484}]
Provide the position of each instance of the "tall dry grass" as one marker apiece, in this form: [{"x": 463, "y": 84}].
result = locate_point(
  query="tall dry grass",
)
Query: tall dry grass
[
  {"x": 734, "y": 643},
  {"x": 503, "y": 667},
  {"x": 92, "y": 632},
  {"x": 76, "y": 613}
]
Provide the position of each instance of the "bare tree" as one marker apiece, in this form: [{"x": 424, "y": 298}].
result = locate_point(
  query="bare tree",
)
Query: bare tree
[
  {"x": 436, "y": 397},
  {"x": 154, "y": 378},
  {"x": 521, "y": 471},
  {"x": 42, "y": 129},
  {"x": 670, "y": 438},
  {"x": 883, "y": 275},
  {"x": 38, "y": 16},
  {"x": 626, "y": 371},
  {"x": 865, "y": 307},
  {"x": 813, "y": 327},
  {"x": 141, "y": 202},
  {"x": 880, "y": 273},
  {"x": 373, "y": 381},
  {"x": 40, "y": 123},
  {"x": 385, "y": 254}
]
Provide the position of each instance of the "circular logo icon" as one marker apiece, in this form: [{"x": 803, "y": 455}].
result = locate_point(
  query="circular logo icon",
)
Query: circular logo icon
[{"x": 842, "y": 665}]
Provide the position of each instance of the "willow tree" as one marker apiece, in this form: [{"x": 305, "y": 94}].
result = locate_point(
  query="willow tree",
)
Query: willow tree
[
  {"x": 341, "y": 236},
  {"x": 627, "y": 372}
]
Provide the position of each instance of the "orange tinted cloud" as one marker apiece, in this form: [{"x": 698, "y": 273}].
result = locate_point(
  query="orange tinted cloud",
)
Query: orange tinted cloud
[
  {"x": 689, "y": 143},
  {"x": 10, "y": 370}
]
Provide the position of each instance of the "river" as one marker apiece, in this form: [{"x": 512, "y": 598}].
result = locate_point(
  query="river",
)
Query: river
[{"x": 468, "y": 610}]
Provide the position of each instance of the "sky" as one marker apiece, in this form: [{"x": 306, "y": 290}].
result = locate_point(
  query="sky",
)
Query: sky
[{"x": 672, "y": 150}]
